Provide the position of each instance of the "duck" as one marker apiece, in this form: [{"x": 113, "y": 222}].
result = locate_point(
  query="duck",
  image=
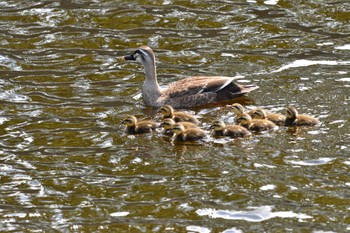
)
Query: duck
[
  {"x": 276, "y": 118},
  {"x": 255, "y": 124},
  {"x": 221, "y": 129},
  {"x": 133, "y": 126},
  {"x": 187, "y": 92},
  {"x": 295, "y": 119},
  {"x": 168, "y": 112},
  {"x": 238, "y": 109},
  {"x": 168, "y": 124},
  {"x": 190, "y": 134}
]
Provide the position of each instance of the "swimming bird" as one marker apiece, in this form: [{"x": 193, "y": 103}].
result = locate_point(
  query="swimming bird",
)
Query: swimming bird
[
  {"x": 276, "y": 118},
  {"x": 168, "y": 112},
  {"x": 168, "y": 124},
  {"x": 238, "y": 109},
  {"x": 221, "y": 129},
  {"x": 295, "y": 119},
  {"x": 191, "y": 134},
  {"x": 133, "y": 126},
  {"x": 188, "y": 92},
  {"x": 255, "y": 124}
]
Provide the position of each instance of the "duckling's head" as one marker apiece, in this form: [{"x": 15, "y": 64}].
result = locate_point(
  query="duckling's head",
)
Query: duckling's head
[
  {"x": 144, "y": 55},
  {"x": 168, "y": 123},
  {"x": 130, "y": 121},
  {"x": 291, "y": 112},
  {"x": 236, "y": 108},
  {"x": 243, "y": 119},
  {"x": 259, "y": 114},
  {"x": 178, "y": 128},
  {"x": 166, "y": 110},
  {"x": 217, "y": 125}
]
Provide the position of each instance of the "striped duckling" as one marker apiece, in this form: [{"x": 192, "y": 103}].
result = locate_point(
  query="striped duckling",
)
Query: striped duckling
[
  {"x": 255, "y": 124},
  {"x": 133, "y": 126},
  {"x": 168, "y": 112},
  {"x": 295, "y": 119},
  {"x": 238, "y": 109},
  {"x": 276, "y": 118},
  {"x": 221, "y": 129},
  {"x": 168, "y": 124},
  {"x": 190, "y": 134}
]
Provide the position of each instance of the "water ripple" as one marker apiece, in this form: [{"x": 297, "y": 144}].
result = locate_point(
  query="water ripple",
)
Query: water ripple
[{"x": 257, "y": 214}]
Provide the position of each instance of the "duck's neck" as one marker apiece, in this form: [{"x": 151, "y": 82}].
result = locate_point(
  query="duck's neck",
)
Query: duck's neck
[{"x": 151, "y": 90}]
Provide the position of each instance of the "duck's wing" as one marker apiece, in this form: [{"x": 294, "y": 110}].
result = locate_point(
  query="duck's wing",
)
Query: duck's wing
[
  {"x": 200, "y": 90},
  {"x": 197, "y": 85}
]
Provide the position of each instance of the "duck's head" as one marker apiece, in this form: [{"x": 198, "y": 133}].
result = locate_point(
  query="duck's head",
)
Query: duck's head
[
  {"x": 291, "y": 112},
  {"x": 243, "y": 119},
  {"x": 236, "y": 108},
  {"x": 168, "y": 123},
  {"x": 178, "y": 128},
  {"x": 130, "y": 121},
  {"x": 166, "y": 111},
  {"x": 259, "y": 114},
  {"x": 144, "y": 55},
  {"x": 217, "y": 125}
]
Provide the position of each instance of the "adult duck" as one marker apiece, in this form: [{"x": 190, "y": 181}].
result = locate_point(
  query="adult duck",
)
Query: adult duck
[{"x": 188, "y": 92}]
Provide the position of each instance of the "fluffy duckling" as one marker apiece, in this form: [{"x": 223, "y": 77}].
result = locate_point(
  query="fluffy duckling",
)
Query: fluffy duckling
[
  {"x": 255, "y": 124},
  {"x": 221, "y": 129},
  {"x": 276, "y": 118},
  {"x": 135, "y": 127},
  {"x": 191, "y": 134},
  {"x": 168, "y": 112},
  {"x": 238, "y": 109},
  {"x": 168, "y": 124},
  {"x": 295, "y": 119}
]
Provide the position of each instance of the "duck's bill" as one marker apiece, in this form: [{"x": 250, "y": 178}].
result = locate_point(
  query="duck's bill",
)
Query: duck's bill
[{"x": 130, "y": 57}]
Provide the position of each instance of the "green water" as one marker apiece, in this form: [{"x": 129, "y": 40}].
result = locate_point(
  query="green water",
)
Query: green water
[{"x": 67, "y": 166}]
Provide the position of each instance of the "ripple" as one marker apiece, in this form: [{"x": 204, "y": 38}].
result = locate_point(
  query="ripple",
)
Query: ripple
[
  {"x": 344, "y": 47},
  {"x": 11, "y": 96},
  {"x": 257, "y": 214},
  {"x": 9, "y": 63},
  {"x": 120, "y": 214},
  {"x": 304, "y": 63},
  {"x": 314, "y": 162},
  {"x": 198, "y": 229}
]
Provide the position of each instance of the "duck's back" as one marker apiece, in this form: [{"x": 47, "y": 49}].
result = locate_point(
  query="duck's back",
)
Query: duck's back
[{"x": 200, "y": 90}]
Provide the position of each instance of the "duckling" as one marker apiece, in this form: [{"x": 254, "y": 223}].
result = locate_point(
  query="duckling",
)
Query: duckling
[
  {"x": 238, "y": 109},
  {"x": 276, "y": 118},
  {"x": 168, "y": 112},
  {"x": 191, "y": 134},
  {"x": 255, "y": 124},
  {"x": 221, "y": 129},
  {"x": 295, "y": 119},
  {"x": 188, "y": 92},
  {"x": 168, "y": 124},
  {"x": 135, "y": 127}
]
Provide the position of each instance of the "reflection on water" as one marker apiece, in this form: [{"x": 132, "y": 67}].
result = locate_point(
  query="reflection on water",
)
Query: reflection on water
[
  {"x": 258, "y": 214},
  {"x": 66, "y": 165}
]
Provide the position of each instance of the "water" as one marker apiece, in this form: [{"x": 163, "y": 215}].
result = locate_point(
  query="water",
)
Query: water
[{"x": 66, "y": 164}]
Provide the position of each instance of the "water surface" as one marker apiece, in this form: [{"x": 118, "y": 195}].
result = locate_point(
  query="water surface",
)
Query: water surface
[{"x": 66, "y": 164}]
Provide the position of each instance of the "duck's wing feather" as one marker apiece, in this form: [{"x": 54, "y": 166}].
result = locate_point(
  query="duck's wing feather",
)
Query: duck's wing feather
[
  {"x": 197, "y": 85},
  {"x": 200, "y": 90},
  {"x": 189, "y": 101}
]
